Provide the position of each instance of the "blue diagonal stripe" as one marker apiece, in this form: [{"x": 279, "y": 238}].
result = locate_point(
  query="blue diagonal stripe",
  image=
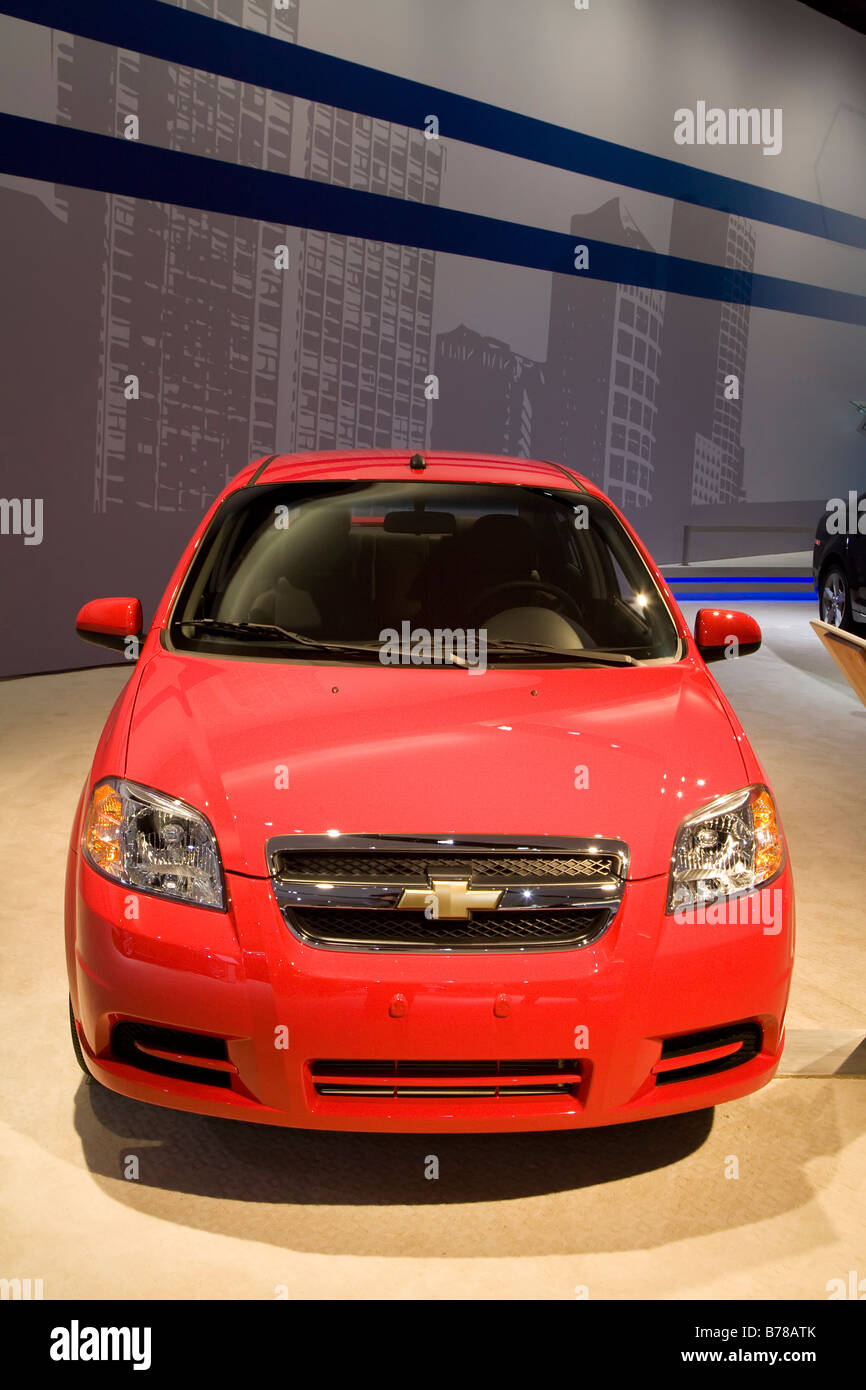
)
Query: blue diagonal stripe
[
  {"x": 180, "y": 36},
  {"x": 60, "y": 154}
]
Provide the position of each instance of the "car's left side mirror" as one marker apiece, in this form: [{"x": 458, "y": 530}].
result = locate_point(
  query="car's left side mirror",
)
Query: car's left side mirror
[
  {"x": 721, "y": 632},
  {"x": 110, "y": 622}
]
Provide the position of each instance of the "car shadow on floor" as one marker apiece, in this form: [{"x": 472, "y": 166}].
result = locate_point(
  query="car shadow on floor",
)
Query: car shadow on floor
[
  {"x": 625, "y": 1187},
  {"x": 240, "y": 1162}
]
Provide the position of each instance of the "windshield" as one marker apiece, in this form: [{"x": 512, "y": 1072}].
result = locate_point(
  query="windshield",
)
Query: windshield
[{"x": 376, "y": 571}]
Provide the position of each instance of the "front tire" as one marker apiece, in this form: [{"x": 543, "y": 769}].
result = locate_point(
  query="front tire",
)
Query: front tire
[
  {"x": 76, "y": 1044},
  {"x": 835, "y": 599}
]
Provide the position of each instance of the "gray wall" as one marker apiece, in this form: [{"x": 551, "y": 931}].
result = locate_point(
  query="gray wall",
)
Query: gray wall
[{"x": 236, "y": 358}]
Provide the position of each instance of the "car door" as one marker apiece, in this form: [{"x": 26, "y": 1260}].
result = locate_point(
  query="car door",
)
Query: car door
[{"x": 857, "y": 562}]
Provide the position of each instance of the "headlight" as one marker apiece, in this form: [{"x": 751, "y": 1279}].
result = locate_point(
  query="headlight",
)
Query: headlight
[
  {"x": 153, "y": 842},
  {"x": 731, "y": 845}
]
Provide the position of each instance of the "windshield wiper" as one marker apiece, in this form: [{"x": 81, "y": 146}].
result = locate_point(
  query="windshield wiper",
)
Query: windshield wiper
[
  {"x": 231, "y": 628},
  {"x": 583, "y": 656},
  {"x": 236, "y": 628}
]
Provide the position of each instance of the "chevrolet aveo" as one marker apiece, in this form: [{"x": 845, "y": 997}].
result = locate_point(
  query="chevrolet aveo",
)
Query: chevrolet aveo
[{"x": 421, "y": 811}]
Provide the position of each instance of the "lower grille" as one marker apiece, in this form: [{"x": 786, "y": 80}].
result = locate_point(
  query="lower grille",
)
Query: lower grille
[
  {"x": 509, "y": 930},
  {"x": 722, "y": 1048},
  {"x": 427, "y": 1079},
  {"x": 173, "y": 1052}
]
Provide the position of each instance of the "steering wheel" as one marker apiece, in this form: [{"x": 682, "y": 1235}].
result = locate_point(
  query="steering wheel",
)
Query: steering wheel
[{"x": 534, "y": 586}]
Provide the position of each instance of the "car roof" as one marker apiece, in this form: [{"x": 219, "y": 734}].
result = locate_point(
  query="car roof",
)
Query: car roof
[{"x": 441, "y": 466}]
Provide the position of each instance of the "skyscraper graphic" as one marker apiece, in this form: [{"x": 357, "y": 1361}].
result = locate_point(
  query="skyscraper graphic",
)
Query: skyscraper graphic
[
  {"x": 704, "y": 343},
  {"x": 602, "y": 370},
  {"x": 365, "y": 308},
  {"x": 190, "y": 302},
  {"x": 488, "y": 395}
]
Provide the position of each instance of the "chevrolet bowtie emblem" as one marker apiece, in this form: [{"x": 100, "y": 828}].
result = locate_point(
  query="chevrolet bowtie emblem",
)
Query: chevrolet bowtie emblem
[{"x": 449, "y": 897}]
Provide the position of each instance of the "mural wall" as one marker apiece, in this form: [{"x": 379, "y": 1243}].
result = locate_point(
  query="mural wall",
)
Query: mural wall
[{"x": 151, "y": 349}]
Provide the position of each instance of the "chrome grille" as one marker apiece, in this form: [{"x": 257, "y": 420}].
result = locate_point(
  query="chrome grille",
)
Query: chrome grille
[
  {"x": 447, "y": 893},
  {"x": 512, "y": 930},
  {"x": 481, "y": 868}
]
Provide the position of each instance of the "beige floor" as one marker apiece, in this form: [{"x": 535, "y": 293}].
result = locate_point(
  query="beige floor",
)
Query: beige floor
[{"x": 224, "y": 1210}]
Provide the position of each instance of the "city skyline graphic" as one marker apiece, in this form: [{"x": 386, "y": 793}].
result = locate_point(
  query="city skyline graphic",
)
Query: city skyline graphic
[
  {"x": 618, "y": 358},
  {"x": 365, "y": 309},
  {"x": 158, "y": 347},
  {"x": 192, "y": 311},
  {"x": 190, "y": 303}
]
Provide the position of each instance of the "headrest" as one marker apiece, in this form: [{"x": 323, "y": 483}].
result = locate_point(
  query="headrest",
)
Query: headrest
[
  {"x": 502, "y": 544},
  {"x": 316, "y": 544}
]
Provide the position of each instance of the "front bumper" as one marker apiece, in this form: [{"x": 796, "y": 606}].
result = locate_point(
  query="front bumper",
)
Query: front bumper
[{"x": 281, "y": 1005}]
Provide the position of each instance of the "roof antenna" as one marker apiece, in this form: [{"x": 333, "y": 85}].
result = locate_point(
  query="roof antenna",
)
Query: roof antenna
[{"x": 418, "y": 462}]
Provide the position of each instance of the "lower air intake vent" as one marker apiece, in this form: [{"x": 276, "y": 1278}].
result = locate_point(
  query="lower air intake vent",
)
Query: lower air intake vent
[
  {"x": 422, "y": 1080},
  {"x": 173, "y": 1052},
  {"x": 701, "y": 1054}
]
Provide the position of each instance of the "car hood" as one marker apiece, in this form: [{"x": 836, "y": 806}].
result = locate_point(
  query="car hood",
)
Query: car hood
[{"x": 270, "y": 748}]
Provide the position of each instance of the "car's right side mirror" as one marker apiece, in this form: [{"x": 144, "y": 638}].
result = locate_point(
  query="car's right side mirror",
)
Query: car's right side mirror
[
  {"x": 721, "y": 632},
  {"x": 110, "y": 622}
]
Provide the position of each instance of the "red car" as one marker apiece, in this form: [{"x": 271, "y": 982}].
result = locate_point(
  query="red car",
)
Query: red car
[{"x": 421, "y": 811}]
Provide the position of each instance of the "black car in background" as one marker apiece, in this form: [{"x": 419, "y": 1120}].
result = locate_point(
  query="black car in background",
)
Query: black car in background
[{"x": 839, "y": 565}]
